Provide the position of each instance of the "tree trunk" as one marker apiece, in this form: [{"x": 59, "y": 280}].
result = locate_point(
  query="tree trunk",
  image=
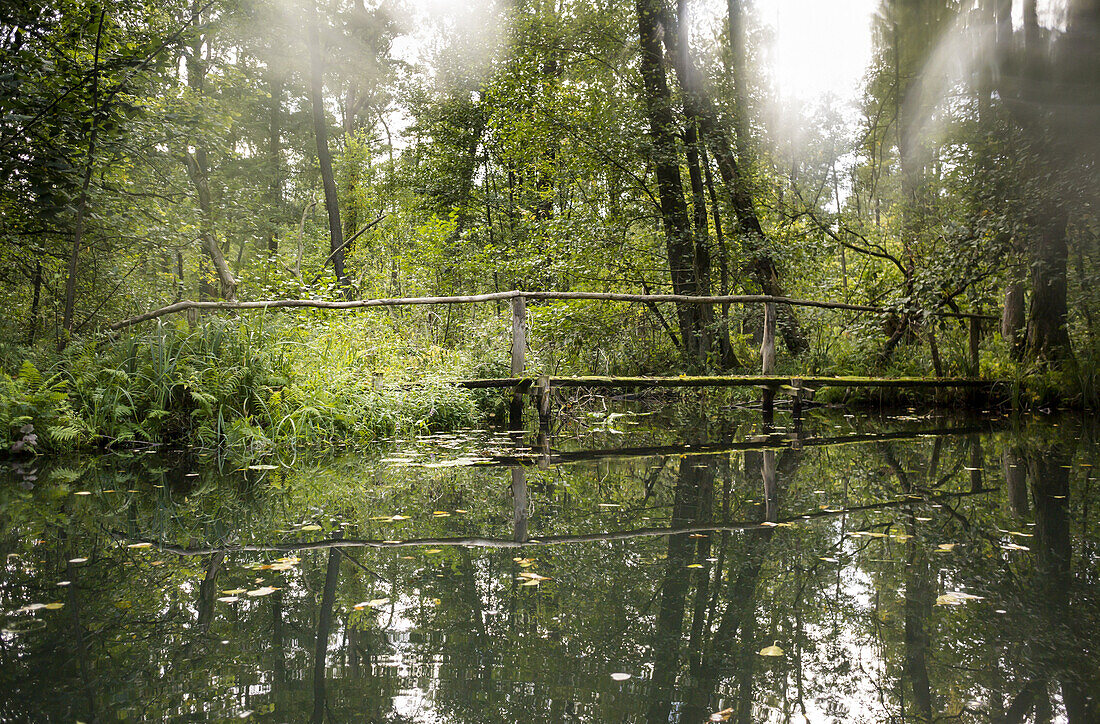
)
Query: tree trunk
[
  {"x": 199, "y": 170},
  {"x": 196, "y": 168},
  {"x": 1012, "y": 318},
  {"x": 666, "y": 161},
  {"x": 32, "y": 318},
  {"x": 324, "y": 159},
  {"x": 761, "y": 264},
  {"x": 276, "y": 82},
  {"x": 1047, "y": 336},
  {"x": 738, "y": 65}
]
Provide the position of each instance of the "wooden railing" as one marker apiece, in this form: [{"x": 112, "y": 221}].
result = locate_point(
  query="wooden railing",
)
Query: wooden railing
[{"x": 540, "y": 386}]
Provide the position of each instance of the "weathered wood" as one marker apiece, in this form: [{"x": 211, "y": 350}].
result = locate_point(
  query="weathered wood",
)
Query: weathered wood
[
  {"x": 767, "y": 357},
  {"x": 542, "y": 395},
  {"x": 975, "y": 339},
  {"x": 486, "y": 542},
  {"x": 772, "y": 381},
  {"x": 519, "y": 358},
  {"x": 501, "y": 296},
  {"x": 542, "y": 456},
  {"x": 519, "y": 335},
  {"x": 767, "y": 346}
]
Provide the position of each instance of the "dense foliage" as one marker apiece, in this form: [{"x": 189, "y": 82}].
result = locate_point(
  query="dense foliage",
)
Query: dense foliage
[{"x": 265, "y": 149}]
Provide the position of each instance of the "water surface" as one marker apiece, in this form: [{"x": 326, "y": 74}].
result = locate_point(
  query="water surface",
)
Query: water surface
[{"x": 637, "y": 568}]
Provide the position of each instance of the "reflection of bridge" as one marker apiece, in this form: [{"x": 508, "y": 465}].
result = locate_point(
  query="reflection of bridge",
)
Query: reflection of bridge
[
  {"x": 539, "y": 387},
  {"x": 767, "y": 444},
  {"x": 549, "y": 540},
  {"x": 544, "y": 456}
]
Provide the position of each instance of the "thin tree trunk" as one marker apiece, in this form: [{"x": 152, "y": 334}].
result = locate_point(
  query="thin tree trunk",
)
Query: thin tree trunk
[
  {"x": 198, "y": 169},
  {"x": 276, "y": 82},
  {"x": 324, "y": 159},
  {"x": 32, "y": 318},
  {"x": 738, "y": 65},
  {"x": 324, "y": 626},
  {"x": 82, "y": 201}
]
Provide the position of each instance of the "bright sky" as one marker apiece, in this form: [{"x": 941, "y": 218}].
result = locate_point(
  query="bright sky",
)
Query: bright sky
[{"x": 821, "y": 46}]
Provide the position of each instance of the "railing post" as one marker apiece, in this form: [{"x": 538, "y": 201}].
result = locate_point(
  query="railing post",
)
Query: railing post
[
  {"x": 542, "y": 395},
  {"x": 975, "y": 338},
  {"x": 519, "y": 358},
  {"x": 767, "y": 347},
  {"x": 767, "y": 357}
]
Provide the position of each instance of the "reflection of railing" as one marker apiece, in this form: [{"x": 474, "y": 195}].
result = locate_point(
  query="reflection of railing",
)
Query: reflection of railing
[
  {"x": 486, "y": 542},
  {"x": 545, "y": 457},
  {"x": 539, "y": 387}
]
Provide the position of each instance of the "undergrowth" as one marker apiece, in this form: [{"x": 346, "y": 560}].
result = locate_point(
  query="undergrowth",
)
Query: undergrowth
[{"x": 238, "y": 387}]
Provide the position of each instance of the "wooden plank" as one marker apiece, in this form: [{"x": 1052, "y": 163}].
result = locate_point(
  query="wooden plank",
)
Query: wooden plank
[{"x": 772, "y": 381}]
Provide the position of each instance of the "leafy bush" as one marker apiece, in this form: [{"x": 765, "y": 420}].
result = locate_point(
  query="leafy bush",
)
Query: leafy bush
[{"x": 36, "y": 414}]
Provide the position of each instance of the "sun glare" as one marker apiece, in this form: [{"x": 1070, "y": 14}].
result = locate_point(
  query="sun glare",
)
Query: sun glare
[{"x": 820, "y": 47}]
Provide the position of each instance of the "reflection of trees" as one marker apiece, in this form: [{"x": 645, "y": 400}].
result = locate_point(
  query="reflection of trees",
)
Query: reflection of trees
[
  {"x": 1054, "y": 585},
  {"x": 324, "y": 627},
  {"x": 723, "y": 641},
  {"x": 493, "y": 650}
]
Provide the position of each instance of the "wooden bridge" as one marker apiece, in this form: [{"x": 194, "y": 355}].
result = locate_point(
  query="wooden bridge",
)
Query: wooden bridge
[{"x": 539, "y": 387}]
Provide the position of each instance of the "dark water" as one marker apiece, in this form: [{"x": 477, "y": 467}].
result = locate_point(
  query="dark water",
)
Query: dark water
[{"x": 902, "y": 569}]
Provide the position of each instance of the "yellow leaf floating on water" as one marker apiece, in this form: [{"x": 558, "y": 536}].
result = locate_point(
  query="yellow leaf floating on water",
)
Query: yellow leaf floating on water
[
  {"x": 262, "y": 591},
  {"x": 83, "y": 492},
  {"x": 441, "y": 514},
  {"x": 621, "y": 676},
  {"x": 695, "y": 565},
  {"x": 946, "y": 547},
  {"x": 955, "y": 598},
  {"x": 53, "y": 606},
  {"x": 78, "y": 560},
  {"x": 772, "y": 650},
  {"x": 140, "y": 545},
  {"x": 530, "y": 579},
  {"x": 432, "y": 551},
  {"x": 400, "y": 517},
  {"x": 234, "y": 592},
  {"x": 310, "y": 527}
]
